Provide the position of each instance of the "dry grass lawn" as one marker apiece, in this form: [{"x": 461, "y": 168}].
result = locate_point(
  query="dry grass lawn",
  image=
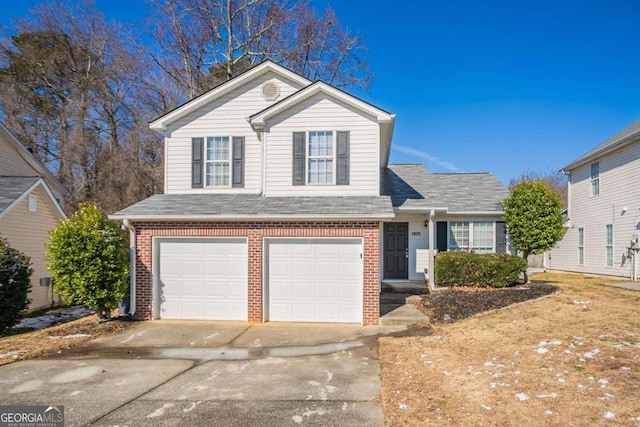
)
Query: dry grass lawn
[
  {"x": 568, "y": 359},
  {"x": 55, "y": 339}
]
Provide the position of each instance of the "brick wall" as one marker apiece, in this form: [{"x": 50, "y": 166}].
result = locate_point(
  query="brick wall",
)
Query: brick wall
[{"x": 255, "y": 232}]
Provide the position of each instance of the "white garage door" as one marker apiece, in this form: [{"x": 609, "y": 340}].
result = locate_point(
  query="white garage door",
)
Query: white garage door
[
  {"x": 202, "y": 279},
  {"x": 314, "y": 280}
]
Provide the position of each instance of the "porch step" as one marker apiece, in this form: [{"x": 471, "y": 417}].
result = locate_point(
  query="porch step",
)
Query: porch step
[
  {"x": 404, "y": 315},
  {"x": 410, "y": 288},
  {"x": 393, "y": 298}
]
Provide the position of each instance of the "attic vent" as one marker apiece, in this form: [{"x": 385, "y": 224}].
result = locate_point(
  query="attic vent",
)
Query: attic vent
[{"x": 270, "y": 91}]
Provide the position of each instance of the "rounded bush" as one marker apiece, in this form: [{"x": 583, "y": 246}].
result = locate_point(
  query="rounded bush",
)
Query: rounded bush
[
  {"x": 15, "y": 273},
  {"x": 479, "y": 270}
]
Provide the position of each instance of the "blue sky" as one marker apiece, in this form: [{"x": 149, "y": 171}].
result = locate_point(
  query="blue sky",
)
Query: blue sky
[{"x": 504, "y": 86}]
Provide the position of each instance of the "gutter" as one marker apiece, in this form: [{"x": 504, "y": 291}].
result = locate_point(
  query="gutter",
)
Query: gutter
[
  {"x": 132, "y": 266},
  {"x": 234, "y": 218}
]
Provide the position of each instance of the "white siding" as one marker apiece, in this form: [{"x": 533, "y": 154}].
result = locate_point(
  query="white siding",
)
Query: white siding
[
  {"x": 619, "y": 178},
  {"x": 322, "y": 113},
  {"x": 226, "y": 116}
]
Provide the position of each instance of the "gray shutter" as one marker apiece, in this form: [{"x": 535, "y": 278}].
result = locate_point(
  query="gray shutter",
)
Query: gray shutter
[
  {"x": 298, "y": 158},
  {"x": 441, "y": 236},
  {"x": 197, "y": 154},
  {"x": 238, "y": 162},
  {"x": 501, "y": 237},
  {"x": 342, "y": 158}
]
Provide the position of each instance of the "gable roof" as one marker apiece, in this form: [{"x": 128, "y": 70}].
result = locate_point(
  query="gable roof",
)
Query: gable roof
[
  {"x": 620, "y": 139},
  {"x": 258, "y": 119},
  {"x": 240, "y": 207},
  {"x": 38, "y": 167},
  {"x": 13, "y": 189},
  {"x": 412, "y": 187},
  {"x": 163, "y": 121}
]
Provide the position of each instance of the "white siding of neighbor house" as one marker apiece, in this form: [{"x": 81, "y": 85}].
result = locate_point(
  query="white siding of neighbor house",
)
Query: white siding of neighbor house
[
  {"x": 27, "y": 232},
  {"x": 225, "y": 116},
  {"x": 619, "y": 188},
  {"x": 11, "y": 162},
  {"x": 320, "y": 113}
]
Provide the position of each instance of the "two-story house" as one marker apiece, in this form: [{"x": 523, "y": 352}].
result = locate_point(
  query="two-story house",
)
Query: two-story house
[
  {"x": 30, "y": 206},
  {"x": 280, "y": 205},
  {"x": 603, "y": 209}
]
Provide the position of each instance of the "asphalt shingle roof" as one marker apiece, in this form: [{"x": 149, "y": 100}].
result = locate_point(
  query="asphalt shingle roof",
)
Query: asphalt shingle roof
[
  {"x": 624, "y": 134},
  {"x": 411, "y": 185},
  {"x": 243, "y": 205},
  {"x": 12, "y": 187}
]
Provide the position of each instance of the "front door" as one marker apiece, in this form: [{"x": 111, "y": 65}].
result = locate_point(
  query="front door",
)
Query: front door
[{"x": 396, "y": 250}]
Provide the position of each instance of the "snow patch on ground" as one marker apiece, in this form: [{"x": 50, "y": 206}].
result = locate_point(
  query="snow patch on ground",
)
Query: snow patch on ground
[{"x": 52, "y": 317}]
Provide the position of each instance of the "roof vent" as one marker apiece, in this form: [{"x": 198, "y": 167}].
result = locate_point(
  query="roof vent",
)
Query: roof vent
[{"x": 270, "y": 91}]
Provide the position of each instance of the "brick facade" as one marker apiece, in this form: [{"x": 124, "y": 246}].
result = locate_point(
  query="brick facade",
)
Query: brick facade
[{"x": 255, "y": 232}]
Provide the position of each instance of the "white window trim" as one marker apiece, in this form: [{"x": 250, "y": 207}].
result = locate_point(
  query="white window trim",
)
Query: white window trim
[
  {"x": 595, "y": 180},
  {"x": 607, "y": 246},
  {"x": 207, "y": 161},
  {"x": 581, "y": 246},
  {"x": 33, "y": 203},
  {"x": 471, "y": 247},
  {"x": 333, "y": 157}
]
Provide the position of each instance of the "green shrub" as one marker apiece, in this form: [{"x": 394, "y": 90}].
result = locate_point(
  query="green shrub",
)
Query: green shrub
[
  {"x": 88, "y": 259},
  {"x": 480, "y": 270},
  {"x": 15, "y": 271}
]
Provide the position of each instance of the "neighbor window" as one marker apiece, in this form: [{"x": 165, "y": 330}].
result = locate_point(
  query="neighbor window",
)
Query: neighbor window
[
  {"x": 580, "y": 246},
  {"x": 609, "y": 244},
  {"x": 471, "y": 236},
  {"x": 320, "y": 157},
  {"x": 595, "y": 178},
  {"x": 218, "y": 161}
]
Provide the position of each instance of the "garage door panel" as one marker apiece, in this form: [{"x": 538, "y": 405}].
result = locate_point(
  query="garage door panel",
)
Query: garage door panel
[
  {"x": 198, "y": 280},
  {"x": 314, "y": 280}
]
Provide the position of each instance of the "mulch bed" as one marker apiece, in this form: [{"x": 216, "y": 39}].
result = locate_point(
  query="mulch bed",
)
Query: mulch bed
[{"x": 460, "y": 303}]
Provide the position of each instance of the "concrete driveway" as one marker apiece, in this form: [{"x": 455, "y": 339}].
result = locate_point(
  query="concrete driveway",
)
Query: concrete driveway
[{"x": 209, "y": 373}]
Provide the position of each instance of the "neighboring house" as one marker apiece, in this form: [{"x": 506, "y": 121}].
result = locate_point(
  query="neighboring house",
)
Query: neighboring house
[
  {"x": 29, "y": 207},
  {"x": 603, "y": 209},
  {"x": 280, "y": 205}
]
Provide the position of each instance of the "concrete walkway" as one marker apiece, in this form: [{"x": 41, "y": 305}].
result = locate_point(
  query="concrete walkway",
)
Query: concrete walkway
[{"x": 632, "y": 286}]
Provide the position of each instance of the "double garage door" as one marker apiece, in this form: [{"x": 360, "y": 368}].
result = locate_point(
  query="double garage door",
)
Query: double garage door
[{"x": 305, "y": 280}]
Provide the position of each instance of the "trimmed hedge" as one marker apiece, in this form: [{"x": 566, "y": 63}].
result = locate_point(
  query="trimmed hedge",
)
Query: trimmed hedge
[{"x": 480, "y": 270}]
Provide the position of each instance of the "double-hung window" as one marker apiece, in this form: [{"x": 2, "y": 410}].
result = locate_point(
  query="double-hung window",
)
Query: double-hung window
[
  {"x": 483, "y": 237},
  {"x": 459, "y": 236},
  {"x": 609, "y": 245},
  {"x": 320, "y": 157},
  {"x": 595, "y": 178},
  {"x": 477, "y": 236},
  {"x": 581, "y": 246},
  {"x": 218, "y": 161}
]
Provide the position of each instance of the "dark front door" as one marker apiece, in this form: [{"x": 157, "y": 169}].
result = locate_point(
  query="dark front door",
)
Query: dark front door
[
  {"x": 441, "y": 236},
  {"x": 396, "y": 250}
]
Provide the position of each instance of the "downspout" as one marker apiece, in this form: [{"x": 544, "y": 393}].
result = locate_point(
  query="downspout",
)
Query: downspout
[{"x": 132, "y": 266}]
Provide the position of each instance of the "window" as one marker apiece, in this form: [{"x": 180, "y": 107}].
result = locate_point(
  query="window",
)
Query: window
[
  {"x": 595, "y": 178},
  {"x": 320, "y": 157},
  {"x": 483, "y": 237},
  {"x": 459, "y": 236},
  {"x": 580, "y": 246},
  {"x": 471, "y": 236},
  {"x": 33, "y": 203},
  {"x": 217, "y": 161},
  {"x": 609, "y": 245}
]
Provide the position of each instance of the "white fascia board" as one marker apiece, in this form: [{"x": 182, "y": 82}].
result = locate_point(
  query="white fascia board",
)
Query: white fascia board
[
  {"x": 476, "y": 213},
  {"x": 258, "y": 120},
  {"x": 617, "y": 145},
  {"x": 161, "y": 123},
  {"x": 28, "y": 191},
  {"x": 421, "y": 209},
  {"x": 235, "y": 218},
  {"x": 33, "y": 162}
]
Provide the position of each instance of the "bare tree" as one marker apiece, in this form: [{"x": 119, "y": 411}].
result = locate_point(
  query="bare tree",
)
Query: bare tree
[{"x": 200, "y": 43}]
